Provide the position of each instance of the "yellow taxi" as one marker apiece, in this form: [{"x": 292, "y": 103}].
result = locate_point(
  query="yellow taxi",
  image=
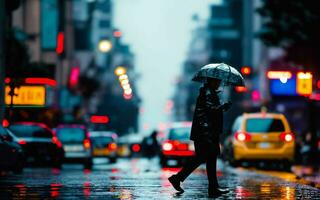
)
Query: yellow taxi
[
  {"x": 104, "y": 144},
  {"x": 260, "y": 137}
]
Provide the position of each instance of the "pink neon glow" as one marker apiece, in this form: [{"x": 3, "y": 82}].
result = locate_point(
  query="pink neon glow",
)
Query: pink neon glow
[{"x": 74, "y": 76}]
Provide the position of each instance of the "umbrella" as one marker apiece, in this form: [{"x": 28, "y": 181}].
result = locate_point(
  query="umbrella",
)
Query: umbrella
[{"x": 227, "y": 74}]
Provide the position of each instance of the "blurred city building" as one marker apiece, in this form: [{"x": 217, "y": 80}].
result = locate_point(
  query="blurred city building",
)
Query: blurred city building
[
  {"x": 226, "y": 37},
  {"x": 71, "y": 49},
  {"x": 230, "y": 36}
]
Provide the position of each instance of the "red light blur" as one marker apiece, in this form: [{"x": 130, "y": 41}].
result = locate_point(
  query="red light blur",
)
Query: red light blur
[
  {"x": 56, "y": 141},
  {"x": 86, "y": 143},
  {"x": 246, "y": 70},
  {"x": 127, "y": 96},
  {"x": 287, "y": 137},
  {"x": 318, "y": 84},
  {"x": 60, "y": 43},
  {"x": 44, "y": 81},
  {"x": 7, "y": 80},
  {"x": 54, "y": 191},
  {"x": 74, "y": 76},
  {"x": 112, "y": 146},
  {"x": 242, "y": 136},
  {"x": 183, "y": 146},
  {"x": 241, "y": 89},
  {"x": 22, "y": 142},
  {"x": 179, "y": 153},
  {"x": 99, "y": 119},
  {"x": 255, "y": 95},
  {"x": 117, "y": 34},
  {"x": 136, "y": 148},
  {"x": 5, "y": 123},
  {"x": 86, "y": 189}
]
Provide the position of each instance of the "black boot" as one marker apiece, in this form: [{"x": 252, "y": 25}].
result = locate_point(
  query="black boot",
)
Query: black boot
[
  {"x": 216, "y": 192},
  {"x": 175, "y": 182}
]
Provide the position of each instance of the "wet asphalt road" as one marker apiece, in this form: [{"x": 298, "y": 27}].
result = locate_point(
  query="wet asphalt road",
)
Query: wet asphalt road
[{"x": 145, "y": 179}]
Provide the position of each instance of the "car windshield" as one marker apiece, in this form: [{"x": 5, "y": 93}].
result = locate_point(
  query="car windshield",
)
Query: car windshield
[
  {"x": 264, "y": 125},
  {"x": 71, "y": 135},
  {"x": 101, "y": 140},
  {"x": 26, "y": 130},
  {"x": 179, "y": 133}
]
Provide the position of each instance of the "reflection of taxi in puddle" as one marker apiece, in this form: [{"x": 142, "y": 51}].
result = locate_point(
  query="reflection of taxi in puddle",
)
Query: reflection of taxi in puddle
[
  {"x": 177, "y": 146},
  {"x": 260, "y": 137},
  {"x": 104, "y": 144}
]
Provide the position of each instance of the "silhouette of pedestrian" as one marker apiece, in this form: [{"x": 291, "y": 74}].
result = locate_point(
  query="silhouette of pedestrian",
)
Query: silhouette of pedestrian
[
  {"x": 151, "y": 145},
  {"x": 206, "y": 127}
]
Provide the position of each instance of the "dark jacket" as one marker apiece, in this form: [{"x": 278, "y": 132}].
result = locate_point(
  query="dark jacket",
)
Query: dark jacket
[{"x": 207, "y": 121}]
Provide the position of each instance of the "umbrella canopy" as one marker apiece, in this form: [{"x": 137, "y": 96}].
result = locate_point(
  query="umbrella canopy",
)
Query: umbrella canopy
[{"x": 227, "y": 74}]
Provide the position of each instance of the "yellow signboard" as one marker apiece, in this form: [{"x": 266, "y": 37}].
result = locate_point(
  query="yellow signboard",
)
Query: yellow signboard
[
  {"x": 304, "y": 83},
  {"x": 27, "y": 96}
]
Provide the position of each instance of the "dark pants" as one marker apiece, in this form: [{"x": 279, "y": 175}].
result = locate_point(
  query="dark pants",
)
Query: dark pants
[{"x": 205, "y": 153}]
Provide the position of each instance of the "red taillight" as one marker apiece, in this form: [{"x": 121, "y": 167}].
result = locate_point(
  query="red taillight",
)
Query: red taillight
[
  {"x": 22, "y": 142},
  {"x": 136, "y": 148},
  {"x": 56, "y": 141},
  {"x": 112, "y": 146},
  {"x": 167, "y": 146},
  {"x": 183, "y": 146},
  {"x": 86, "y": 143},
  {"x": 242, "y": 136},
  {"x": 287, "y": 137},
  {"x": 5, "y": 123}
]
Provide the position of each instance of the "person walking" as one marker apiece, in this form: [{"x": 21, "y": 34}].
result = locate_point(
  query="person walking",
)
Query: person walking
[{"x": 207, "y": 125}]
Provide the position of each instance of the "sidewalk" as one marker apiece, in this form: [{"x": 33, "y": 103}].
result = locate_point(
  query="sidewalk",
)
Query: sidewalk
[{"x": 310, "y": 175}]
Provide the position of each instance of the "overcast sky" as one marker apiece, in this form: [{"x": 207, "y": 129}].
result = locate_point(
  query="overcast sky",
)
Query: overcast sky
[{"x": 159, "y": 32}]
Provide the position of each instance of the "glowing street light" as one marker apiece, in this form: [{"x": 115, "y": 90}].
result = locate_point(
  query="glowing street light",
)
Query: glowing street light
[
  {"x": 120, "y": 71},
  {"x": 126, "y": 87},
  {"x": 128, "y": 91},
  {"x": 124, "y": 82},
  {"x": 123, "y": 77},
  {"x": 105, "y": 46}
]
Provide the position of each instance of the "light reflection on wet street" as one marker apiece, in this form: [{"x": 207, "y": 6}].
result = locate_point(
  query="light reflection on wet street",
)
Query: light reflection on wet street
[{"x": 144, "y": 179}]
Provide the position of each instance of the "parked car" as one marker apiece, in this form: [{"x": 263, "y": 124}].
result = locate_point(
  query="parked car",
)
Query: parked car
[
  {"x": 177, "y": 144},
  {"x": 76, "y": 143},
  {"x": 39, "y": 143},
  {"x": 260, "y": 137},
  {"x": 104, "y": 144},
  {"x": 11, "y": 153}
]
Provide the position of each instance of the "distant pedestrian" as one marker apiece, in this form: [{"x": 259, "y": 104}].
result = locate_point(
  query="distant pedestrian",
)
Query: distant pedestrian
[
  {"x": 151, "y": 145},
  {"x": 206, "y": 127}
]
